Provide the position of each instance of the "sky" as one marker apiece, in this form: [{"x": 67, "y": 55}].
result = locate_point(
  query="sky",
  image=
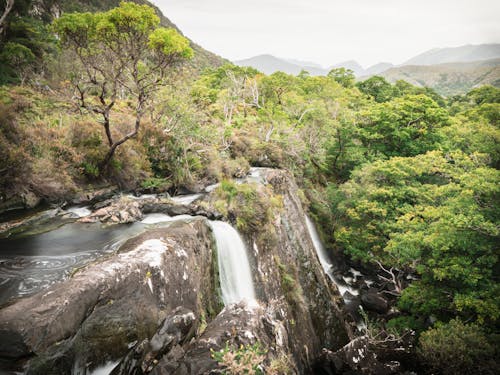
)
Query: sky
[{"x": 331, "y": 31}]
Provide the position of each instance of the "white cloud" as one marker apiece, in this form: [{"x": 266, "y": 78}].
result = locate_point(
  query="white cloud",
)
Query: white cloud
[{"x": 329, "y": 31}]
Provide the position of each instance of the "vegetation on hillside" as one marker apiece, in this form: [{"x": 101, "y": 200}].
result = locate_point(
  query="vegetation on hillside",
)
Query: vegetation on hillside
[{"x": 397, "y": 177}]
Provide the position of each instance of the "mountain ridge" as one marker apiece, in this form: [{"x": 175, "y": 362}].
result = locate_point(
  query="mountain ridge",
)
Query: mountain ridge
[{"x": 268, "y": 63}]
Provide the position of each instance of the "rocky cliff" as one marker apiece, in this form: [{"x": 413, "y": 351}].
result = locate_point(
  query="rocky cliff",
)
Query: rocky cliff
[{"x": 156, "y": 305}]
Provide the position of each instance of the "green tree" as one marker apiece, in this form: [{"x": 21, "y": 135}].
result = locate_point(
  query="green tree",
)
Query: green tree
[
  {"x": 120, "y": 52},
  {"x": 343, "y": 76},
  {"x": 434, "y": 215},
  {"x": 457, "y": 348},
  {"x": 405, "y": 126},
  {"x": 484, "y": 94},
  {"x": 377, "y": 88}
]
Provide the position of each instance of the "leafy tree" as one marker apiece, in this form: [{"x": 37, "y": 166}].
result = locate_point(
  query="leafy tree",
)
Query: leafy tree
[
  {"x": 485, "y": 94},
  {"x": 343, "y": 76},
  {"x": 26, "y": 42},
  {"x": 433, "y": 214},
  {"x": 457, "y": 348},
  {"x": 405, "y": 126},
  {"x": 377, "y": 88},
  {"x": 119, "y": 51}
]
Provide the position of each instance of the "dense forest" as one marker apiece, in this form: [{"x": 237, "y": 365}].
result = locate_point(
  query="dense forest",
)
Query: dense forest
[{"x": 402, "y": 182}]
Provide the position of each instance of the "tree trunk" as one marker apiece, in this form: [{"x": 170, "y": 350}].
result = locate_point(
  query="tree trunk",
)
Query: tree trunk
[
  {"x": 3, "y": 18},
  {"x": 114, "y": 146}
]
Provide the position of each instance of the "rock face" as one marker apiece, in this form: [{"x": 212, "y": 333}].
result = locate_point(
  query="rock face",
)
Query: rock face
[
  {"x": 107, "y": 305},
  {"x": 316, "y": 304},
  {"x": 156, "y": 303}
]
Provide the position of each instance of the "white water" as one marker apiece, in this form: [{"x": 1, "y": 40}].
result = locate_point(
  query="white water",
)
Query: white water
[
  {"x": 325, "y": 262},
  {"x": 105, "y": 369},
  {"x": 234, "y": 269},
  {"x": 79, "y": 211},
  {"x": 163, "y": 218},
  {"x": 185, "y": 199}
]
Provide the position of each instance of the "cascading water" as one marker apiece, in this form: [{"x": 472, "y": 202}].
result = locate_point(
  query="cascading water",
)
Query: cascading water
[
  {"x": 324, "y": 260},
  {"x": 234, "y": 269}
]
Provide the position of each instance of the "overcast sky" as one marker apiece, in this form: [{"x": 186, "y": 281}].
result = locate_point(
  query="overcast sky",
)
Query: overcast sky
[{"x": 330, "y": 31}]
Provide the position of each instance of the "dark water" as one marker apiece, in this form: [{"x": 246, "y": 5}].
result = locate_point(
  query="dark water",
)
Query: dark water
[{"x": 31, "y": 263}]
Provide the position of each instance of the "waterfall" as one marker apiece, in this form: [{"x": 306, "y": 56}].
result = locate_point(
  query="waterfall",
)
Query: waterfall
[
  {"x": 325, "y": 261},
  {"x": 234, "y": 269}
]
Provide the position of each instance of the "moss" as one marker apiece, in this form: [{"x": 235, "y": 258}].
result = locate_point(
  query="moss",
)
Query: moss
[
  {"x": 250, "y": 207},
  {"x": 289, "y": 284}
]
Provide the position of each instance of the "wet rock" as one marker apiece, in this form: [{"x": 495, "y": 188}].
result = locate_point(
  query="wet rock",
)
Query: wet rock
[
  {"x": 121, "y": 211},
  {"x": 34, "y": 223},
  {"x": 373, "y": 301},
  {"x": 313, "y": 302},
  {"x": 357, "y": 357},
  {"x": 93, "y": 196},
  {"x": 237, "y": 325},
  {"x": 115, "y": 300},
  {"x": 176, "y": 328}
]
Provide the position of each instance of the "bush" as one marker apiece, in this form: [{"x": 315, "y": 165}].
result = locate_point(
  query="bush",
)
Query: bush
[
  {"x": 246, "y": 359},
  {"x": 457, "y": 348},
  {"x": 249, "y": 206}
]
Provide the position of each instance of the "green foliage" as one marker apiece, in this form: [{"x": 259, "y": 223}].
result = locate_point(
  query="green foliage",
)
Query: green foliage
[
  {"x": 289, "y": 284},
  {"x": 22, "y": 49},
  {"x": 247, "y": 359},
  {"x": 433, "y": 214},
  {"x": 343, "y": 76},
  {"x": 457, "y": 348},
  {"x": 119, "y": 51},
  {"x": 485, "y": 94},
  {"x": 155, "y": 184},
  {"x": 170, "y": 42},
  {"x": 404, "y": 126},
  {"x": 377, "y": 88}
]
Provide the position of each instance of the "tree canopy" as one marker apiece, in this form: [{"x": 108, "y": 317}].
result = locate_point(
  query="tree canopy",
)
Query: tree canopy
[{"x": 119, "y": 51}]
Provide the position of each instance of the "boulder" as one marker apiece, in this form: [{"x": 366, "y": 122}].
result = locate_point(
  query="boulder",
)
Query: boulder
[
  {"x": 373, "y": 301},
  {"x": 176, "y": 328},
  {"x": 121, "y": 211},
  {"x": 116, "y": 300},
  {"x": 238, "y": 326}
]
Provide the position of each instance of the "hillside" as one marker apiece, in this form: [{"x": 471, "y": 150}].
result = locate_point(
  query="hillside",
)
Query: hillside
[
  {"x": 468, "y": 53},
  {"x": 269, "y": 64},
  {"x": 448, "y": 79},
  {"x": 47, "y": 10},
  {"x": 203, "y": 58}
]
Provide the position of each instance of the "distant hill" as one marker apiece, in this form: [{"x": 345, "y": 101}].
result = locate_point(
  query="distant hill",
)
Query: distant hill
[
  {"x": 378, "y": 68},
  {"x": 468, "y": 53},
  {"x": 351, "y": 64},
  {"x": 269, "y": 64},
  {"x": 449, "y": 71},
  {"x": 448, "y": 79}
]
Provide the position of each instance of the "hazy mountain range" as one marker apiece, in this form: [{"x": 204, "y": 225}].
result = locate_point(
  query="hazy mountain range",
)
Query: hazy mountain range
[
  {"x": 269, "y": 64},
  {"x": 448, "y": 70}
]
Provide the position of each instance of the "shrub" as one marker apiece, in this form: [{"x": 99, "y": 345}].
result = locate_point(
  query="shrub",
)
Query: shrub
[
  {"x": 246, "y": 359},
  {"x": 457, "y": 348},
  {"x": 249, "y": 206}
]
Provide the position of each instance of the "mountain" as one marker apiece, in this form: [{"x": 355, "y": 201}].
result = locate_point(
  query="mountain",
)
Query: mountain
[
  {"x": 350, "y": 64},
  {"x": 450, "y": 78},
  {"x": 468, "y": 53},
  {"x": 269, "y": 64},
  {"x": 378, "y": 68},
  {"x": 304, "y": 63}
]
